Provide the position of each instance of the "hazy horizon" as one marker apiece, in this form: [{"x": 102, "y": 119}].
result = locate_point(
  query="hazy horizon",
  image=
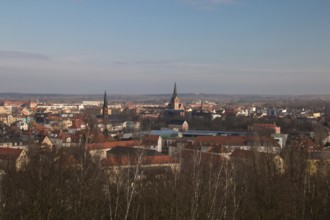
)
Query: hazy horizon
[
  {"x": 101, "y": 94},
  {"x": 143, "y": 47}
]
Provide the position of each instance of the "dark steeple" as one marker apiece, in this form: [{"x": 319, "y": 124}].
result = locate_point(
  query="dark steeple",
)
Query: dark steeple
[
  {"x": 175, "y": 108},
  {"x": 105, "y": 105},
  {"x": 105, "y": 100},
  {"x": 175, "y": 102},
  {"x": 174, "y": 92}
]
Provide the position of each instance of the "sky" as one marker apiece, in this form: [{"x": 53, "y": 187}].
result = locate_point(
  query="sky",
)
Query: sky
[{"x": 145, "y": 46}]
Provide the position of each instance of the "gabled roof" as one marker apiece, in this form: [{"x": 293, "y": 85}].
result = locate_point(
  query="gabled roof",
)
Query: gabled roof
[{"x": 46, "y": 141}]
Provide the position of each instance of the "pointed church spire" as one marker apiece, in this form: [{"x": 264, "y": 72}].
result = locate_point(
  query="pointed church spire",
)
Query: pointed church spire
[
  {"x": 105, "y": 105},
  {"x": 174, "y": 91},
  {"x": 105, "y": 100}
]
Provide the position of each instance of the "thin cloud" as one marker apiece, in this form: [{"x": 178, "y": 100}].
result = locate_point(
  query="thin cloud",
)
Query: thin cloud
[
  {"x": 86, "y": 73},
  {"x": 23, "y": 55},
  {"x": 208, "y": 4}
]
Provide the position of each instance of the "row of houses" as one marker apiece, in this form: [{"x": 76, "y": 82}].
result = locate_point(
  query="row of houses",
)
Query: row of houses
[{"x": 148, "y": 152}]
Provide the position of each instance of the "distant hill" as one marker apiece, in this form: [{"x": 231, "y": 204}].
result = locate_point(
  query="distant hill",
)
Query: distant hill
[{"x": 162, "y": 98}]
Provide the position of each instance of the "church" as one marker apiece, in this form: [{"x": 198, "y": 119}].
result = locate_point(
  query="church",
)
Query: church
[{"x": 175, "y": 108}]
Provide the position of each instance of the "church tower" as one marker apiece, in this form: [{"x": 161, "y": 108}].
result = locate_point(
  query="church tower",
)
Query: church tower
[
  {"x": 175, "y": 101},
  {"x": 105, "y": 110}
]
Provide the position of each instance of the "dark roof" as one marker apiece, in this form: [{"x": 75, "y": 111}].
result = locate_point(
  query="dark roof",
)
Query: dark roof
[
  {"x": 176, "y": 122},
  {"x": 130, "y": 151},
  {"x": 215, "y": 133}
]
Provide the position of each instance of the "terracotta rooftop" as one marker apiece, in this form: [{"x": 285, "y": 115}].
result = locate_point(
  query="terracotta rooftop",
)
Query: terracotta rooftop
[
  {"x": 112, "y": 144},
  {"x": 150, "y": 139},
  {"x": 10, "y": 152},
  {"x": 124, "y": 160},
  {"x": 159, "y": 159}
]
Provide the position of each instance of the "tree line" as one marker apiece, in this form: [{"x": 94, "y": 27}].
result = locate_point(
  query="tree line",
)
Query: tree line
[{"x": 53, "y": 185}]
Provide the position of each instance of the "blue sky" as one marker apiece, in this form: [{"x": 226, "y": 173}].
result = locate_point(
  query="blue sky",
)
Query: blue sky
[{"x": 144, "y": 46}]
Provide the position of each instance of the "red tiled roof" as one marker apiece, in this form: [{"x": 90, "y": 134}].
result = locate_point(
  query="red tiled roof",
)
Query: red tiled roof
[
  {"x": 10, "y": 152},
  {"x": 112, "y": 144},
  {"x": 150, "y": 139},
  {"x": 159, "y": 159},
  {"x": 124, "y": 160}
]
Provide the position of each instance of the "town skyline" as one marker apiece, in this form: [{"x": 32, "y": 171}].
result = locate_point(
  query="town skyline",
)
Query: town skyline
[
  {"x": 164, "y": 109},
  {"x": 128, "y": 47}
]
